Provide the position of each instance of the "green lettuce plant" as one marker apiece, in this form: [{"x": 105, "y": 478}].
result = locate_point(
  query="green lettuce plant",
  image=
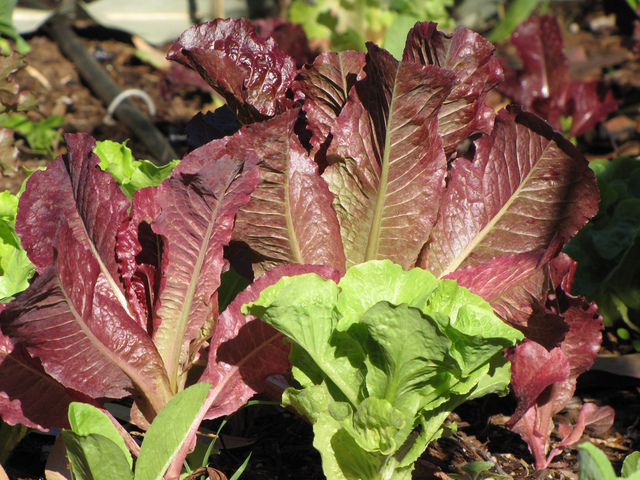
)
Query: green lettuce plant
[
  {"x": 382, "y": 358},
  {"x": 41, "y": 135}
]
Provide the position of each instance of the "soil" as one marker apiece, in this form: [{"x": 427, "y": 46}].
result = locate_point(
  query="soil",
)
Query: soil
[{"x": 281, "y": 443}]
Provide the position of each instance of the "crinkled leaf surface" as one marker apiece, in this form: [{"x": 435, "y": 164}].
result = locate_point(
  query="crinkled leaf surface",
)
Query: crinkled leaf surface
[
  {"x": 473, "y": 328},
  {"x": 246, "y": 69},
  {"x": 197, "y": 213},
  {"x": 526, "y": 184},
  {"x": 131, "y": 174},
  {"x": 464, "y": 111},
  {"x": 407, "y": 354},
  {"x": 86, "y": 198},
  {"x": 290, "y": 218},
  {"x": 139, "y": 251},
  {"x": 82, "y": 310},
  {"x": 325, "y": 87},
  {"x": 375, "y": 282},
  {"x": 15, "y": 267},
  {"x": 244, "y": 351},
  {"x": 303, "y": 308},
  {"x": 386, "y": 162}
]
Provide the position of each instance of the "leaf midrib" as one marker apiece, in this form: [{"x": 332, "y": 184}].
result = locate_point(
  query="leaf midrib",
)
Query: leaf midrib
[
  {"x": 373, "y": 241},
  {"x": 173, "y": 360},
  {"x": 134, "y": 374}
]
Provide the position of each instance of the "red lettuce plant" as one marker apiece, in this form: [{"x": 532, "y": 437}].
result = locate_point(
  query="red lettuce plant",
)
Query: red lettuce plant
[
  {"x": 377, "y": 164},
  {"x": 544, "y": 85},
  {"x": 125, "y": 300},
  {"x": 355, "y": 157}
]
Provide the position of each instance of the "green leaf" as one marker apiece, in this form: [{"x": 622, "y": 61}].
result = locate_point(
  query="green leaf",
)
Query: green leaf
[
  {"x": 303, "y": 308},
  {"x": 87, "y": 420},
  {"x": 40, "y": 135},
  {"x": 408, "y": 355},
  {"x": 396, "y": 36},
  {"x": 8, "y": 29},
  {"x": 117, "y": 159},
  {"x": 95, "y": 457},
  {"x": 169, "y": 431},
  {"x": 368, "y": 283},
  {"x": 231, "y": 283},
  {"x": 477, "y": 334},
  {"x": 631, "y": 465},
  {"x": 241, "y": 468},
  {"x": 594, "y": 464},
  {"x": 307, "y": 15},
  {"x": 310, "y": 402},
  {"x": 342, "y": 457},
  {"x": 373, "y": 425},
  {"x": 478, "y": 470},
  {"x": 15, "y": 267}
]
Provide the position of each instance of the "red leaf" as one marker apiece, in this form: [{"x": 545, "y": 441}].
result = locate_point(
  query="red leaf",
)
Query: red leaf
[
  {"x": 290, "y": 217},
  {"x": 290, "y": 37},
  {"x": 72, "y": 321},
  {"x": 533, "y": 369},
  {"x": 197, "y": 215},
  {"x": 386, "y": 162},
  {"x": 543, "y": 86},
  {"x": 246, "y": 69},
  {"x": 526, "y": 185},
  {"x": 88, "y": 198},
  {"x": 27, "y": 394},
  {"x": 589, "y": 104},
  {"x": 325, "y": 87},
  {"x": 139, "y": 250},
  {"x": 464, "y": 111}
]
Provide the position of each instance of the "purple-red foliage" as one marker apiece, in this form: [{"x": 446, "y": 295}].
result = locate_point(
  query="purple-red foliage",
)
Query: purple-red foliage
[
  {"x": 544, "y": 85},
  {"x": 348, "y": 159}
]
